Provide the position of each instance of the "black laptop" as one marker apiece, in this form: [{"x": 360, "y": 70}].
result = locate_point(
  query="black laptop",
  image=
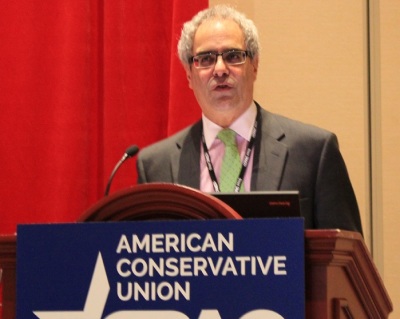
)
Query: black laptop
[{"x": 263, "y": 204}]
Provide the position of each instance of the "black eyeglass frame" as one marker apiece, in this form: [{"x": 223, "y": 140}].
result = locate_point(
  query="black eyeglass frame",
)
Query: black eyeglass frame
[{"x": 224, "y": 55}]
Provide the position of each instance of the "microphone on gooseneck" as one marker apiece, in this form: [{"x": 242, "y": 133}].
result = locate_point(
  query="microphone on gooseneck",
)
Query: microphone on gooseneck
[{"x": 130, "y": 151}]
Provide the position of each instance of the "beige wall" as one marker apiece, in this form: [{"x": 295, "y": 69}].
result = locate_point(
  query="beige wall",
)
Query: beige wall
[
  {"x": 388, "y": 138},
  {"x": 319, "y": 64}
]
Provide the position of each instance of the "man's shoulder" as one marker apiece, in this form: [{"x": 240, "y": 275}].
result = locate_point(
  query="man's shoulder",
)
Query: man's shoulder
[{"x": 292, "y": 127}]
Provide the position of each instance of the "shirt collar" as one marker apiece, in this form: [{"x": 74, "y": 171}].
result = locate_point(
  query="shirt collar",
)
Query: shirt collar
[{"x": 242, "y": 126}]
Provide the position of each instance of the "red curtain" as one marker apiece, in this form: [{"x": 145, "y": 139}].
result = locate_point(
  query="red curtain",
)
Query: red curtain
[{"x": 80, "y": 81}]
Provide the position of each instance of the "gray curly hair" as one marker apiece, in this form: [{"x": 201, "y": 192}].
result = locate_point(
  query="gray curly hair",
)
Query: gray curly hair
[{"x": 185, "y": 44}]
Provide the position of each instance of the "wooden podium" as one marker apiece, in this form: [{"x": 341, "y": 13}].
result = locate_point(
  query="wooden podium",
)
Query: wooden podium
[{"x": 341, "y": 279}]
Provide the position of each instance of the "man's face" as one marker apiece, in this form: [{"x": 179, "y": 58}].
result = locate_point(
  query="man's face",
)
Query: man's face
[{"x": 223, "y": 91}]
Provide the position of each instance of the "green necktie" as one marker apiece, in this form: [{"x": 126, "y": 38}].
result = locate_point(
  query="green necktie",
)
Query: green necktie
[{"x": 231, "y": 164}]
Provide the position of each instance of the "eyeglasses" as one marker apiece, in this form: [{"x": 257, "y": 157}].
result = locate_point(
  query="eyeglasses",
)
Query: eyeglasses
[{"x": 209, "y": 59}]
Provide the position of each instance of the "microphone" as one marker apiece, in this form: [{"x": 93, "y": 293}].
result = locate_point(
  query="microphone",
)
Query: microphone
[{"x": 130, "y": 151}]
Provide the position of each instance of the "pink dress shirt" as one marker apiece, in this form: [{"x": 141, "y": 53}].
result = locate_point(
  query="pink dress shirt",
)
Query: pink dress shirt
[{"x": 243, "y": 126}]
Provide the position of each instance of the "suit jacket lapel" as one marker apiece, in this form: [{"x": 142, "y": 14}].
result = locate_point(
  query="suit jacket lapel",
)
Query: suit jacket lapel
[
  {"x": 186, "y": 161},
  {"x": 270, "y": 154}
]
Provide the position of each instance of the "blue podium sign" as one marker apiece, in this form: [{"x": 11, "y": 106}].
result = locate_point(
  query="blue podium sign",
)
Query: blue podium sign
[{"x": 214, "y": 269}]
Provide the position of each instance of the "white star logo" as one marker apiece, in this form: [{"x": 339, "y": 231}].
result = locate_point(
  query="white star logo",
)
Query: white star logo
[{"x": 95, "y": 300}]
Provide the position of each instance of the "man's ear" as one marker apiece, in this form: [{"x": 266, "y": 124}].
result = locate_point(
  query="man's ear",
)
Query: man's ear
[
  {"x": 254, "y": 63},
  {"x": 188, "y": 71}
]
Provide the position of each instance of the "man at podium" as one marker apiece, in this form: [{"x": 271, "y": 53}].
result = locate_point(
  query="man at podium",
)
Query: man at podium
[{"x": 239, "y": 146}]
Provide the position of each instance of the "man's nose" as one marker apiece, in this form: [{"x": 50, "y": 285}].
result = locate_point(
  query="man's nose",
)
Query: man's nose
[{"x": 220, "y": 67}]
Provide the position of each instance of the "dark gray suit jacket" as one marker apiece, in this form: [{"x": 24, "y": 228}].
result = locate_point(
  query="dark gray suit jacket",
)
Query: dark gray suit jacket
[{"x": 289, "y": 155}]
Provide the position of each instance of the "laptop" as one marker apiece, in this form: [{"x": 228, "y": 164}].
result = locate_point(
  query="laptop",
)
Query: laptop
[{"x": 263, "y": 204}]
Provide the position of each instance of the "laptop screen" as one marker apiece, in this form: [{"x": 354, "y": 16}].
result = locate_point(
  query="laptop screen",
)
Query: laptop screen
[{"x": 264, "y": 204}]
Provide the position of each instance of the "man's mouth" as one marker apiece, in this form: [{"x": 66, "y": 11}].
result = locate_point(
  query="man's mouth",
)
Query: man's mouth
[{"x": 222, "y": 87}]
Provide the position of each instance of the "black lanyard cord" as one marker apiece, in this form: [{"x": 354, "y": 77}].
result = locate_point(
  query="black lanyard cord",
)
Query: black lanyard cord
[{"x": 245, "y": 162}]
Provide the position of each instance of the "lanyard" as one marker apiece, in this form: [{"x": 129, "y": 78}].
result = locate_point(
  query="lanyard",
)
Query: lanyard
[{"x": 245, "y": 162}]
